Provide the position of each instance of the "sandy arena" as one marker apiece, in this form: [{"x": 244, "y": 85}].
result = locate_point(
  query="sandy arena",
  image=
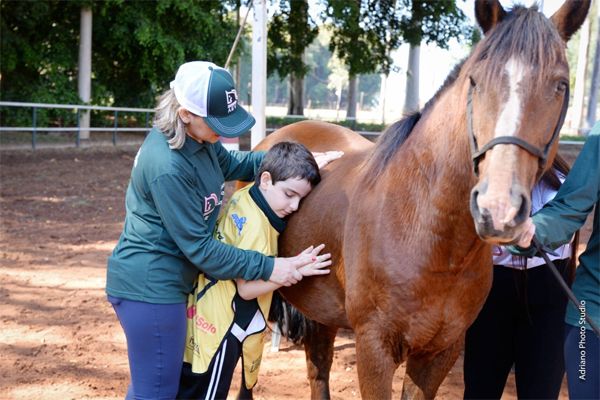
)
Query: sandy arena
[{"x": 61, "y": 212}]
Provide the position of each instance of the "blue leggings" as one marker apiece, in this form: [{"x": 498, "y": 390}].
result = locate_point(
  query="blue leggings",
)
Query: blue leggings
[
  {"x": 582, "y": 360},
  {"x": 155, "y": 343}
]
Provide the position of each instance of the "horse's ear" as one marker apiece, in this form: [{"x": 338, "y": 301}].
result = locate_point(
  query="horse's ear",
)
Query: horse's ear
[
  {"x": 488, "y": 13},
  {"x": 570, "y": 16}
]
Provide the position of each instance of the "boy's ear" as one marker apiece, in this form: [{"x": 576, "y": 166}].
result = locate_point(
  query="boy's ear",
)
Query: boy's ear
[
  {"x": 185, "y": 115},
  {"x": 265, "y": 180}
]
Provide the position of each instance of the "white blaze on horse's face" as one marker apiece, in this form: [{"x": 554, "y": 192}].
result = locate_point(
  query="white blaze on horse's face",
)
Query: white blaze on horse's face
[
  {"x": 510, "y": 116},
  {"x": 499, "y": 198}
]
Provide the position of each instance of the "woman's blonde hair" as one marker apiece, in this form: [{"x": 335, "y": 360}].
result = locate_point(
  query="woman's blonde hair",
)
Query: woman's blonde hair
[{"x": 167, "y": 120}]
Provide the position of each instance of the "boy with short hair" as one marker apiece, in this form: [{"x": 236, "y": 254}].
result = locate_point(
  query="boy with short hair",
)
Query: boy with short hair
[{"x": 227, "y": 319}]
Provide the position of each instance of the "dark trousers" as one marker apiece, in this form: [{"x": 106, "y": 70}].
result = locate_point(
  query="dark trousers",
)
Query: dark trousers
[
  {"x": 215, "y": 382},
  {"x": 520, "y": 324},
  {"x": 582, "y": 359},
  {"x": 155, "y": 343}
]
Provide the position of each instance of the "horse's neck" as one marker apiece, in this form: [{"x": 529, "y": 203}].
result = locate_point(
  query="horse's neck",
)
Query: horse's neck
[
  {"x": 436, "y": 172},
  {"x": 440, "y": 141}
]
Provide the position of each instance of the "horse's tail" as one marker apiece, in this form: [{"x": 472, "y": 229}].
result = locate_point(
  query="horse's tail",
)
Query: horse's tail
[{"x": 292, "y": 323}]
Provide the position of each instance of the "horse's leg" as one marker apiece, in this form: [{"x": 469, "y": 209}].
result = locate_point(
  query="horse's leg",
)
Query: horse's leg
[
  {"x": 376, "y": 360},
  {"x": 424, "y": 374},
  {"x": 318, "y": 345}
]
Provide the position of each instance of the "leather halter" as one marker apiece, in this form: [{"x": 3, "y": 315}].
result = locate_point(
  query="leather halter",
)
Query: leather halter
[{"x": 541, "y": 154}]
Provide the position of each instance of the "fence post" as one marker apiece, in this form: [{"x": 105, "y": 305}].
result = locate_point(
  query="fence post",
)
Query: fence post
[
  {"x": 114, "y": 138},
  {"x": 78, "y": 137},
  {"x": 34, "y": 131}
]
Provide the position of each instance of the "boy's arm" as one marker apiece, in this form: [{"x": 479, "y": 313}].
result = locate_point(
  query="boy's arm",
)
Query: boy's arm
[{"x": 249, "y": 290}]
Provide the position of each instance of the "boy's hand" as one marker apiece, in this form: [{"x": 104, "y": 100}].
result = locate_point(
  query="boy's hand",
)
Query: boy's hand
[
  {"x": 321, "y": 261},
  {"x": 325, "y": 158}
]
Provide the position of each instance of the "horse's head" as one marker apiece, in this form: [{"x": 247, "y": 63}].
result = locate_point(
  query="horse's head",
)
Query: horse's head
[{"x": 517, "y": 81}]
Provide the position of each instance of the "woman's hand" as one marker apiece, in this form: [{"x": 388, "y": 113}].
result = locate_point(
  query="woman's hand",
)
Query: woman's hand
[
  {"x": 325, "y": 158},
  {"x": 527, "y": 232}
]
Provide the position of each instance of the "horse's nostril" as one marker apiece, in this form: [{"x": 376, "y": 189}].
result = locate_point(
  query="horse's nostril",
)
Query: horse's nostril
[
  {"x": 473, "y": 204},
  {"x": 524, "y": 208}
]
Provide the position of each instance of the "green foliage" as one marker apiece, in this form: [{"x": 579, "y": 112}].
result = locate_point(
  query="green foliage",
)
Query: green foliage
[
  {"x": 433, "y": 21},
  {"x": 136, "y": 49},
  {"x": 278, "y": 122},
  {"x": 318, "y": 93},
  {"x": 39, "y": 44},
  {"x": 364, "y": 33},
  {"x": 574, "y": 138},
  {"x": 291, "y": 30},
  {"x": 148, "y": 40},
  {"x": 369, "y": 86}
]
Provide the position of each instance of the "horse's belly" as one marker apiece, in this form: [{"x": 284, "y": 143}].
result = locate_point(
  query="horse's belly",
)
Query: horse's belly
[{"x": 320, "y": 299}]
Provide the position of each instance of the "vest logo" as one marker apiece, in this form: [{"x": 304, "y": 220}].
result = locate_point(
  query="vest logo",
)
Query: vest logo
[
  {"x": 239, "y": 222},
  {"x": 255, "y": 364},
  {"x": 231, "y": 96},
  {"x": 211, "y": 202},
  {"x": 205, "y": 326}
]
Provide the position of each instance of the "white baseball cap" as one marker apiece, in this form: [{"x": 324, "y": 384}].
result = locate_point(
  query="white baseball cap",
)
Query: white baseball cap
[{"x": 207, "y": 90}]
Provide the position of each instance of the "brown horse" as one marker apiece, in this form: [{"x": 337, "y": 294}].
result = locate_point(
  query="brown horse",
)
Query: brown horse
[{"x": 411, "y": 269}]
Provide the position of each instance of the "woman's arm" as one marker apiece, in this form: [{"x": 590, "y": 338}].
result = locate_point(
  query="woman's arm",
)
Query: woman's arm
[
  {"x": 556, "y": 223},
  {"x": 238, "y": 165},
  {"x": 180, "y": 206},
  {"x": 249, "y": 290}
]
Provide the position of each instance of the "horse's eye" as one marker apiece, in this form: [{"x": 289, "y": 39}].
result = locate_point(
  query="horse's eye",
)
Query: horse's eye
[{"x": 561, "y": 87}]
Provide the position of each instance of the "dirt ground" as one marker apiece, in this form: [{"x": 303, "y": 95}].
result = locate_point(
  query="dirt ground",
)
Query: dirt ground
[{"x": 61, "y": 212}]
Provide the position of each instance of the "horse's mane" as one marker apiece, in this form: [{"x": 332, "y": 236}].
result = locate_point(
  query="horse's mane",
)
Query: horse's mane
[
  {"x": 397, "y": 133},
  {"x": 524, "y": 33}
]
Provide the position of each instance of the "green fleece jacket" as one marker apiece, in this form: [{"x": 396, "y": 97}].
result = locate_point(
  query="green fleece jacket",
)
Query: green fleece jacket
[
  {"x": 557, "y": 222},
  {"x": 172, "y": 204}
]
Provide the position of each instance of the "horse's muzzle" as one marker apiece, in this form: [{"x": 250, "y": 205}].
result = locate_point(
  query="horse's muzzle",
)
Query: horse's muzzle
[{"x": 495, "y": 224}]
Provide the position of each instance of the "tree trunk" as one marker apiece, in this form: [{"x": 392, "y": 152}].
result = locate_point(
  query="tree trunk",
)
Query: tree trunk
[
  {"x": 411, "y": 100},
  {"x": 593, "y": 100},
  {"x": 296, "y": 100},
  {"x": 580, "y": 76},
  {"x": 351, "y": 108},
  {"x": 84, "y": 76}
]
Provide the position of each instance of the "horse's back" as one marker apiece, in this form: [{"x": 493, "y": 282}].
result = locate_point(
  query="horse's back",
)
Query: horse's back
[{"x": 317, "y": 136}]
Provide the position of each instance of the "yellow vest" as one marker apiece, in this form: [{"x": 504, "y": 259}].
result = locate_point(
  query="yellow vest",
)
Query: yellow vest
[{"x": 210, "y": 311}]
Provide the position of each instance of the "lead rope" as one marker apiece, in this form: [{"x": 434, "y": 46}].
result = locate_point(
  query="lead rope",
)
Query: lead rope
[{"x": 563, "y": 284}]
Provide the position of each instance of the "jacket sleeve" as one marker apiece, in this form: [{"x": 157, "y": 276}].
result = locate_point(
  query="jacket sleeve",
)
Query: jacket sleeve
[
  {"x": 557, "y": 222},
  {"x": 238, "y": 165},
  {"x": 179, "y": 206}
]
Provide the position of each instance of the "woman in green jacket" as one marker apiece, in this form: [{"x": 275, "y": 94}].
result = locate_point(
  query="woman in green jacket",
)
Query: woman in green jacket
[
  {"x": 554, "y": 225},
  {"x": 172, "y": 203}
]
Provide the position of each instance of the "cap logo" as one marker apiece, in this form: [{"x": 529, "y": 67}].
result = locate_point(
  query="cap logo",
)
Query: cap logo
[{"x": 231, "y": 96}]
